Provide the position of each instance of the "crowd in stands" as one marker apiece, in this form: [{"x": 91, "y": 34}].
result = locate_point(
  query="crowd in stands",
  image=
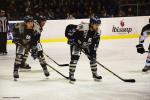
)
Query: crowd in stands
[{"x": 70, "y": 9}]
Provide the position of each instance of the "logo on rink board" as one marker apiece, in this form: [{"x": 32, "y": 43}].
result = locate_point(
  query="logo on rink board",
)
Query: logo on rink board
[{"x": 121, "y": 28}]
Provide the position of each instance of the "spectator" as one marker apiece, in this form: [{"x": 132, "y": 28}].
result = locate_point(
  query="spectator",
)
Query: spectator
[
  {"x": 57, "y": 9},
  {"x": 130, "y": 12},
  {"x": 70, "y": 16},
  {"x": 104, "y": 12},
  {"x": 121, "y": 13}
]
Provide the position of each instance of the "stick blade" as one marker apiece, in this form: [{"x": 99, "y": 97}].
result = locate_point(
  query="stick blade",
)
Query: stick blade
[
  {"x": 64, "y": 65},
  {"x": 129, "y": 80}
]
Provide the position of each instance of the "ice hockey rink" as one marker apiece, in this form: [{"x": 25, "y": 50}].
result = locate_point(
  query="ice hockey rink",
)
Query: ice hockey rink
[{"x": 120, "y": 56}]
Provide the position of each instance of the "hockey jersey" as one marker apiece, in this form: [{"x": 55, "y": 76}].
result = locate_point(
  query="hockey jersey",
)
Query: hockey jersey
[
  {"x": 86, "y": 38},
  {"x": 144, "y": 33},
  {"x": 26, "y": 36}
]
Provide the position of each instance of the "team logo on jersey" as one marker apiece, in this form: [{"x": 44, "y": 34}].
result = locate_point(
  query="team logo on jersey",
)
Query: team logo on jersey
[
  {"x": 73, "y": 30},
  {"x": 28, "y": 37},
  {"x": 90, "y": 40}
]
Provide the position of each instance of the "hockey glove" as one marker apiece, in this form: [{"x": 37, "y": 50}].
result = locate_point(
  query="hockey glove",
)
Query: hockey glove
[
  {"x": 140, "y": 48},
  {"x": 34, "y": 52},
  {"x": 40, "y": 50},
  {"x": 71, "y": 41},
  {"x": 16, "y": 40},
  {"x": 84, "y": 44}
]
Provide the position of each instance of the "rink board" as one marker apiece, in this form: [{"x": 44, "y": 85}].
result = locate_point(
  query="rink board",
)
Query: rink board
[{"x": 111, "y": 28}]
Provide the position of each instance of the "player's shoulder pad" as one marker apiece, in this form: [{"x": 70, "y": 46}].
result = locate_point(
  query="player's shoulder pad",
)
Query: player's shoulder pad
[
  {"x": 37, "y": 27},
  {"x": 83, "y": 27},
  {"x": 19, "y": 25},
  {"x": 71, "y": 27}
]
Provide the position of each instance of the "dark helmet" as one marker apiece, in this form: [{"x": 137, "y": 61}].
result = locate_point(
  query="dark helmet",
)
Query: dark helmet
[
  {"x": 95, "y": 20},
  {"x": 28, "y": 18},
  {"x": 41, "y": 18}
]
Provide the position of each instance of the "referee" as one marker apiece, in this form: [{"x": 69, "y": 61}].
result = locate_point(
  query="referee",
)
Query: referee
[{"x": 3, "y": 32}]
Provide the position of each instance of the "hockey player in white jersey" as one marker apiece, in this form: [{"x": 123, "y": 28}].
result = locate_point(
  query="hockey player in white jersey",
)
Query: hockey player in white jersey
[
  {"x": 27, "y": 39},
  {"x": 140, "y": 48},
  {"x": 85, "y": 37}
]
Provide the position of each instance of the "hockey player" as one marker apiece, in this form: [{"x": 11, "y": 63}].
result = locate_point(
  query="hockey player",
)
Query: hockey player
[
  {"x": 27, "y": 38},
  {"x": 40, "y": 21},
  {"x": 140, "y": 48},
  {"x": 84, "y": 37},
  {"x": 38, "y": 26}
]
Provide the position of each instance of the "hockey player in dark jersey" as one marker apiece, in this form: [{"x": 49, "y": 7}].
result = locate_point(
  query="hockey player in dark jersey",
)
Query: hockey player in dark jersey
[
  {"x": 38, "y": 26},
  {"x": 83, "y": 37},
  {"x": 27, "y": 36},
  {"x": 140, "y": 48}
]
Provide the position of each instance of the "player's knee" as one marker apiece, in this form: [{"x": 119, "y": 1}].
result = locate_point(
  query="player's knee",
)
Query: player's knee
[
  {"x": 18, "y": 59},
  {"x": 43, "y": 64},
  {"x": 40, "y": 54},
  {"x": 92, "y": 59},
  {"x": 75, "y": 57},
  {"x": 42, "y": 60},
  {"x": 73, "y": 61}
]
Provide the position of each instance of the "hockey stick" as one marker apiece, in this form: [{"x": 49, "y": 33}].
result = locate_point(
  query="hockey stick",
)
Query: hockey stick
[
  {"x": 125, "y": 80},
  {"x": 55, "y": 61},
  {"x": 46, "y": 63},
  {"x": 57, "y": 71}
]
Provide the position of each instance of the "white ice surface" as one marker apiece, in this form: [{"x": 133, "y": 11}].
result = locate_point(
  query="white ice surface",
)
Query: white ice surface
[{"x": 118, "y": 55}]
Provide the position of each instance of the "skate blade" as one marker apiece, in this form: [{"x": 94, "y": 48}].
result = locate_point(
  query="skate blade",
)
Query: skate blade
[
  {"x": 15, "y": 79},
  {"x": 47, "y": 78},
  {"x": 72, "y": 82},
  {"x": 24, "y": 70},
  {"x": 97, "y": 80}
]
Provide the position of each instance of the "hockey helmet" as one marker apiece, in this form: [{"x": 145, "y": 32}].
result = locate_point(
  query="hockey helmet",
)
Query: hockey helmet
[
  {"x": 28, "y": 18},
  {"x": 41, "y": 18},
  {"x": 95, "y": 20}
]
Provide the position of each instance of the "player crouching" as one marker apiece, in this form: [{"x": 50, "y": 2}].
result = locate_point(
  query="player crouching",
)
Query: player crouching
[
  {"x": 26, "y": 39},
  {"x": 84, "y": 37}
]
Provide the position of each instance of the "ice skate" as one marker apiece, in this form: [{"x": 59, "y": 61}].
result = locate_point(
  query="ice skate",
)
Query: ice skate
[
  {"x": 97, "y": 77},
  {"x": 46, "y": 73},
  {"x": 72, "y": 79},
  {"x": 146, "y": 69},
  {"x": 16, "y": 75}
]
